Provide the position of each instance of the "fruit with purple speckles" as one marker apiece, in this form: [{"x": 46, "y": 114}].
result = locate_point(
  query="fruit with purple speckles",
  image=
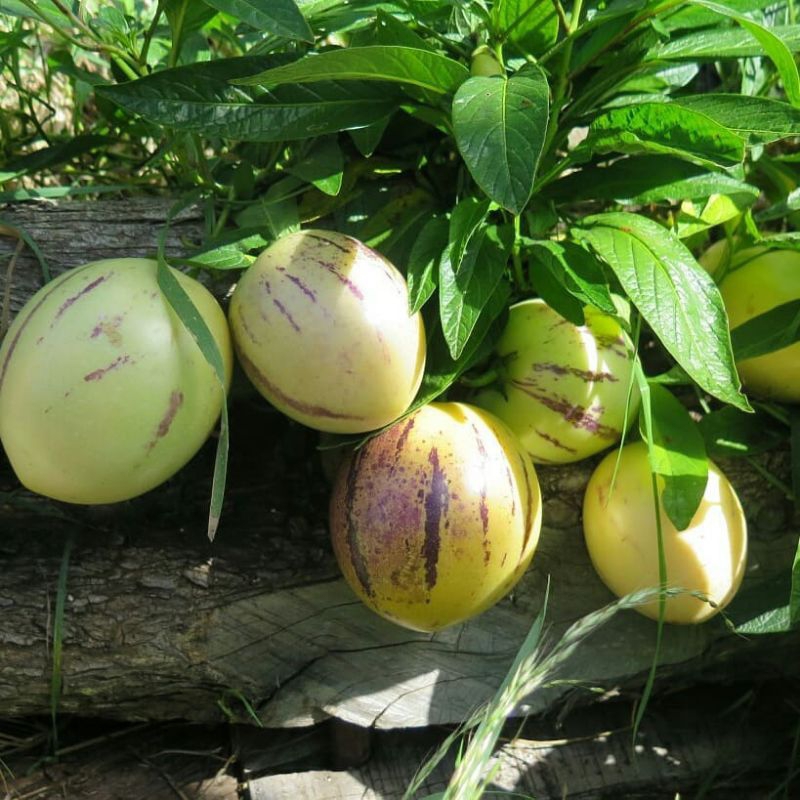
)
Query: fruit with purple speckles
[
  {"x": 620, "y": 529},
  {"x": 757, "y": 280},
  {"x": 437, "y": 517},
  {"x": 563, "y": 389},
  {"x": 103, "y": 392},
  {"x": 322, "y": 329}
]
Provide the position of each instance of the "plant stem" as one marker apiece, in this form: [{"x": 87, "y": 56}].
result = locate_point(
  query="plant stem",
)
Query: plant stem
[
  {"x": 519, "y": 274},
  {"x": 148, "y": 37}
]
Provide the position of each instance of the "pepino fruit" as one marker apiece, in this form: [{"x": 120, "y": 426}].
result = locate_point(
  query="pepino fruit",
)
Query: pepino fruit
[
  {"x": 620, "y": 529},
  {"x": 322, "y": 329},
  {"x": 563, "y": 389},
  {"x": 437, "y": 517},
  {"x": 103, "y": 392},
  {"x": 757, "y": 280}
]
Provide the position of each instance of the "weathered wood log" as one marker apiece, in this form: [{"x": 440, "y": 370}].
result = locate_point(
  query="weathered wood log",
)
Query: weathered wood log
[{"x": 161, "y": 624}]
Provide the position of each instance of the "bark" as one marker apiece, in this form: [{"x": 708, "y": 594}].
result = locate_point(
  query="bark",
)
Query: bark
[{"x": 159, "y": 623}]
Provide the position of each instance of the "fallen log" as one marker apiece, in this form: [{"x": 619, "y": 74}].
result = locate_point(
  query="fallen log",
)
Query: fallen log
[{"x": 160, "y": 624}]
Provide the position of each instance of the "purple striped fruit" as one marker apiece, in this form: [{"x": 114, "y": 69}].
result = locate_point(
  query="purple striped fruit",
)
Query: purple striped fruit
[
  {"x": 322, "y": 329},
  {"x": 620, "y": 528},
  {"x": 757, "y": 280},
  {"x": 437, "y": 517},
  {"x": 563, "y": 388},
  {"x": 103, "y": 392}
]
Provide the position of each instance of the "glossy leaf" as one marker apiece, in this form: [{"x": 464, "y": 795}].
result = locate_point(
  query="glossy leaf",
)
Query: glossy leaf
[
  {"x": 467, "y": 218},
  {"x": 199, "y": 98},
  {"x": 673, "y": 293},
  {"x": 650, "y": 179},
  {"x": 500, "y": 127},
  {"x": 397, "y": 64},
  {"x": 279, "y": 17},
  {"x": 773, "y": 330},
  {"x": 322, "y": 166},
  {"x": 663, "y": 128},
  {"x": 530, "y": 24},
  {"x": 425, "y": 256},
  {"x": 678, "y": 455},
  {"x": 718, "y": 43},
  {"x": 758, "y": 119},
  {"x": 463, "y": 294},
  {"x": 771, "y": 42}
]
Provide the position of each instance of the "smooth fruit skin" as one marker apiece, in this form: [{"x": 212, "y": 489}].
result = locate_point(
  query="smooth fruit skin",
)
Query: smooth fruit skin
[
  {"x": 620, "y": 531},
  {"x": 437, "y": 517},
  {"x": 321, "y": 327},
  {"x": 758, "y": 281},
  {"x": 563, "y": 388},
  {"x": 103, "y": 392}
]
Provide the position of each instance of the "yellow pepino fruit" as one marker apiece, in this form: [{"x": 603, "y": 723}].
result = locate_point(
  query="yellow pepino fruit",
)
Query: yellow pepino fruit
[
  {"x": 620, "y": 530},
  {"x": 436, "y": 519},
  {"x": 563, "y": 388},
  {"x": 103, "y": 392},
  {"x": 322, "y": 329}
]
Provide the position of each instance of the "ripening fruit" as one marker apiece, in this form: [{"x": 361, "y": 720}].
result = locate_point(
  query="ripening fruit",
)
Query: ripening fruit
[
  {"x": 757, "y": 280},
  {"x": 563, "y": 388},
  {"x": 103, "y": 392},
  {"x": 437, "y": 517},
  {"x": 321, "y": 327},
  {"x": 620, "y": 530}
]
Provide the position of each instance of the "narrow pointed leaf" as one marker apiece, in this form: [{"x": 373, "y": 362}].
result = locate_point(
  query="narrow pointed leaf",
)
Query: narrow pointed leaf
[
  {"x": 279, "y": 17},
  {"x": 500, "y": 127},
  {"x": 397, "y": 64},
  {"x": 673, "y": 293}
]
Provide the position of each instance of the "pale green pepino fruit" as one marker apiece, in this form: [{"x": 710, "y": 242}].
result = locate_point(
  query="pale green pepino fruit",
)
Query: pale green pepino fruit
[
  {"x": 321, "y": 326},
  {"x": 563, "y": 388},
  {"x": 103, "y": 392}
]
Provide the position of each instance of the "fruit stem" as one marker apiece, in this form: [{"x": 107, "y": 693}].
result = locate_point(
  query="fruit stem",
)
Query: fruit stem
[{"x": 479, "y": 381}]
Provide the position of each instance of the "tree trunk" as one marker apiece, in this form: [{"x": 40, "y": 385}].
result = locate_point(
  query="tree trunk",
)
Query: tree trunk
[{"x": 159, "y": 623}]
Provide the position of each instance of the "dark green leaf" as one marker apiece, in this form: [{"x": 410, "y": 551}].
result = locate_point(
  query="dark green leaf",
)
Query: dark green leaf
[
  {"x": 649, "y": 179},
  {"x": 279, "y": 17},
  {"x": 530, "y": 24},
  {"x": 366, "y": 139},
  {"x": 773, "y": 330},
  {"x": 794, "y": 598},
  {"x": 463, "y": 295},
  {"x": 404, "y": 65},
  {"x": 322, "y": 166},
  {"x": 441, "y": 370},
  {"x": 185, "y": 17},
  {"x": 716, "y": 43},
  {"x": 55, "y": 154},
  {"x": 794, "y": 440},
  {"x": 423, "y": 260},
  {"x": 500, "y": 127},
  {"x": 763, "y": 608},
  {"x": 730, "y": 433},
  {"x": 390, "y": 30},
  {"x": 547, "y": 280},
  {"x": 673, "y": 293},
  {"x": 678, "y": 455},
  {"x": 576, "y": 269},
  {"x": 199, "y": 98},
  {"x": 663, "y": 128},
  {"x": 771, "y": 43},
  {"x": 758, "y": 119},
  {"x": 467, "y": 218}
]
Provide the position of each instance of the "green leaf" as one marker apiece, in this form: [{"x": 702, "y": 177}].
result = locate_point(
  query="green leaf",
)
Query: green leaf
[
  {"x": 185, "y": 17},
  {"x": 367, "y": 139},
  {"x": 718, "y": 43},
  {"x": 322, "y": 166},
  {"x": 199, "y": 98},
  {"x": 532, "y": 25},
  {"x": 649, "y": 179},
  {"x": 730, "y": 433},
  {"x": 278, "y": 17},
  {"x": 757, "y": 119},
  {"x": 575, "y": 268},
  {"x": 404, "y": 65},
  {"x": 45, "y": 9},
  {"x": 424, "y": 258},
  {"x": 500, "y": 127},
  {"x": 390, "y": 30},
  {"x": 773, "y": 330},
  {"x": 55, "y": 154},
  {"x": 224, "y": 257},
  {"x": 794, "y": 439},
  {"x": 467, "y": 218},
  {"x": 673, "y": 293},
  {"x": 463, "y": 295},
  {"x": 662, "y": 128},
  {"x": 678, "y": 455},
  {"x": 771, "y": 42},
  {"x": 794, "y": 597},
  {"x": 763, "y": 608}
]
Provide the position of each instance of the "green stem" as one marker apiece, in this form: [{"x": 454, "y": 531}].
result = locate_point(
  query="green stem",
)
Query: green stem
[
  {"x": 519, "y": 274},
  {"x": 479, "y": 381},
  {"x": 223, "y": 215},
  {"x": 148, "y": 37}
]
